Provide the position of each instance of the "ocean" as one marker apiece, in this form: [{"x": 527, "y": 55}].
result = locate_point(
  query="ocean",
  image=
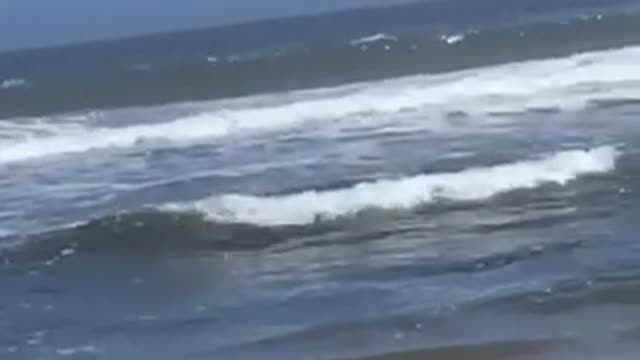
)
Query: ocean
[{"x": 442, "y": 180}]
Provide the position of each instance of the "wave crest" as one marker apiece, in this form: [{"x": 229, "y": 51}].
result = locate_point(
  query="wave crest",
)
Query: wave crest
[
  {"x": 405, "y": 193},
  {"x": 373, "y": 39},
  {"x": 568, "y": 83}
]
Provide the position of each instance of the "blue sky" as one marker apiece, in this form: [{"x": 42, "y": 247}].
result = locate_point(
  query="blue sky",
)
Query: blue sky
[{"x": 34, "y": 23}]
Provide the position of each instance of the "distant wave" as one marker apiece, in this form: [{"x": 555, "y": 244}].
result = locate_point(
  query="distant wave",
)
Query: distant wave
[
  {"x": 451, "y": 39},
  {"x": 591, "y": 17},
  {"x": 405, "y": 193},
  {"x": 569, "y": 83},
  {"x": 14, "y": 83},
  {"x": 141, "y": 67},
  {"x": 372, "y": 39}
]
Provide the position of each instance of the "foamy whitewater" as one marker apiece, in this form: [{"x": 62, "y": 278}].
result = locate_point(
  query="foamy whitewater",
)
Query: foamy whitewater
[
  {"x": 373, "y": 38},
  {"x": 405, "y": 193},
  {"x": 13, "y": 83},
  {"x": 453, "y": 38},
  {"x": 570, "y": 83}
]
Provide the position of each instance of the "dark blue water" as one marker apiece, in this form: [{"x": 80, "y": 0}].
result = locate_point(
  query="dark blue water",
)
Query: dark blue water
[{"x": 444, "y": 180}]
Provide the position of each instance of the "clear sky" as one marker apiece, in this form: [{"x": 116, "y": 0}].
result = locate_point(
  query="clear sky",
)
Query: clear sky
[{"x": 35, "y": 23}]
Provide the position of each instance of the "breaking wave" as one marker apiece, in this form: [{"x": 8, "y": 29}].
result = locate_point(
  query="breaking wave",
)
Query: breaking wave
[
  {"x": 468, "y": 185},
  {"x": 569, "y": 83},
  {"x": 452, "y": 39},
  {"x": 234, "y": 222}
]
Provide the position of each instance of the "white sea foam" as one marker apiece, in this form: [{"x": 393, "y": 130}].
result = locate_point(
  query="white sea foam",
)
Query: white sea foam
[
  {"x": 373, "y": 38},
  {"x": 568, "y": 83},
  {"x": 71, "y": 351},
  {"x": 5, "y": 233},
  {"x": 453, "y": 38},
  {"x": 404, "y": 193},
  {"x": 13, "y": 83}
]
